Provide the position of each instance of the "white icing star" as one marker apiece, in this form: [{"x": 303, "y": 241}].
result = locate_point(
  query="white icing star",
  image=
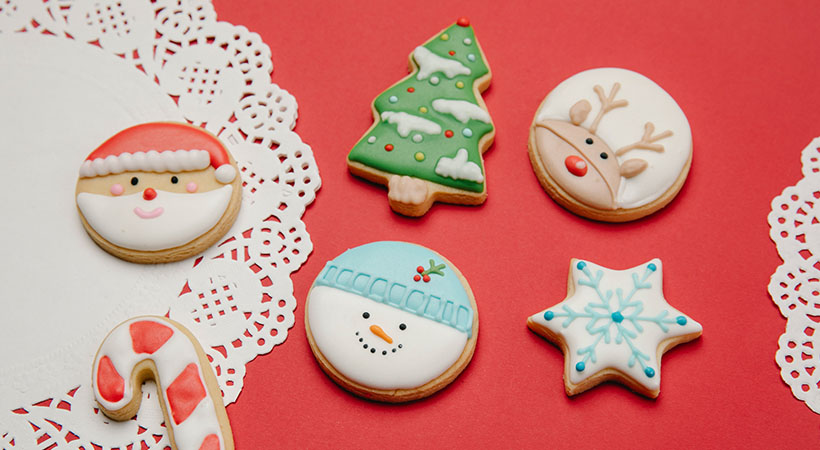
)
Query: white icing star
[{"x": 614, "y": 323}]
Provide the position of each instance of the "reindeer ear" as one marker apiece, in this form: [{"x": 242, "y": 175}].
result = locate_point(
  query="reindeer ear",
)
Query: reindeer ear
[
  {"x": 632, "y": 167},
  {"x": 579, "y": 112}
]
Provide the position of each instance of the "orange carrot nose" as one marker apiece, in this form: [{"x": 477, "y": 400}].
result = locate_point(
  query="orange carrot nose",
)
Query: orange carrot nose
[{"x": 377, "y": 330}]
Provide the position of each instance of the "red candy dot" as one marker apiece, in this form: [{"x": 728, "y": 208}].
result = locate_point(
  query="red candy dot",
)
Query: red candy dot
[
  {"x": 452, "y": 52},
  {"x": 448, "y": 133},
  {"x": 389, "y": 147},
  {"x": 463, "y": 22},
  {"x": 417, "y": 278},
  {"x": 411, "y": 89},
  {"x": 419, "y": 269},
  {"x": 426, "y": 278}
]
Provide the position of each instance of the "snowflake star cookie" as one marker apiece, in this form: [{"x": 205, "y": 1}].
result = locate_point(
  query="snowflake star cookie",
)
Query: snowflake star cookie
[
  {"x": 158, "y": 192},
  {"x": 431, "y": 128},
  {"x": 391, "y": 321},
  {"x": 610, "y": 144},
  {"x": 614, "y": 325}
]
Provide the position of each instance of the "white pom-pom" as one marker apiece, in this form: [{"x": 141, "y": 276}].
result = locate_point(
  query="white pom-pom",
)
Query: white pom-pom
[{"x": 225, "y": 173}]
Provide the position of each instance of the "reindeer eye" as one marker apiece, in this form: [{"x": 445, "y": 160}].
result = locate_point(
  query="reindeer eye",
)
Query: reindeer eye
[
  {"x": 589, "y": 141},
  {"x": 604, "y": 155}
]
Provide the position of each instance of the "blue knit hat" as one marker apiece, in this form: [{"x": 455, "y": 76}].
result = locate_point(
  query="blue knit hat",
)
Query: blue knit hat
[{"x": 403, "y": 275}]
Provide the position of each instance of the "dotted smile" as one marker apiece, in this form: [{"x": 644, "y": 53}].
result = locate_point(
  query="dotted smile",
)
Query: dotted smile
[{"x": 373, "y": 349}]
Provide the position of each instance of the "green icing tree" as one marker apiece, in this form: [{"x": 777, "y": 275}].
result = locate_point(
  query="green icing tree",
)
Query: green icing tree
[{"x": 433, "y": 125}]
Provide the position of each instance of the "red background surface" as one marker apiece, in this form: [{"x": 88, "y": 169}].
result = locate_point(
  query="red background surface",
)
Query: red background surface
[{"x": 746, "y": 76}]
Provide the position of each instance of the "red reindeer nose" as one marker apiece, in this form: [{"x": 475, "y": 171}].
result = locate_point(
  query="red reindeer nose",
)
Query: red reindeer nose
[
  {"x": 150, "y": 193},
  {"x": 576, "y": 165}
]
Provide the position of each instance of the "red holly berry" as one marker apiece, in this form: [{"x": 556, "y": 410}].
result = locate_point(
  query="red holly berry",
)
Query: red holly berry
[
  {"x": 417, "y": 278},
  {"x": 463, "y": 22},
  {"x": 448, "y": 133},
  {"x": 419, "y": 269},
  {"x": 426, "y": 278},
  {"x": 388, "y": 147}
]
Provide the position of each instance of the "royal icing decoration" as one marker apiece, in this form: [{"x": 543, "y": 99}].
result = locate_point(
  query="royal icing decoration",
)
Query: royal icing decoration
[
  {"x": 440, "y": 96},
  {"x": 612, "y": 139},
  {"x": 390, "y": 315},
  {"x": 197, "y": 418},
  {"x": 615, "y": 319},
  {"x": 144, "y": 190}
]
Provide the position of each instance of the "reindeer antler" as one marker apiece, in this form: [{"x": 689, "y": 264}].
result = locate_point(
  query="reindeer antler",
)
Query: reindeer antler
[
  {"x": 607, "y": 104},
  {"x": 646, "y": 141}
]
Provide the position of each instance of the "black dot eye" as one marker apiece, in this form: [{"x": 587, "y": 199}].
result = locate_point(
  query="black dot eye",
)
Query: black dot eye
[
  {"x": 134, "y": 181},
  {"x": 402, "y": 327},
  {"x": 604, "y": 155},
  {"x": 589, "y": 141},
  {"x": 174, "y": 179},
  {"x": 366, "y": 315}
]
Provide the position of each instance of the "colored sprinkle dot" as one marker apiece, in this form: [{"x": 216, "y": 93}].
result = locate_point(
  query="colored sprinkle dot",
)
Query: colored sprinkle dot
[
  {"x": 448, "y": 133},
  {"x": 459, "y": 84},
  {"x": 417, "y": 138},
  {"x": 423, "y": 109},
  {"x": 445, "y": 37},
  {"x": 681, "y": 320},
  {"x": 434, "y": 80},
  {"x": 580, "y": 366},
  {"x": 452, "y": 52},
  {"x": 581, "y": 265},
  {"x": 389, "y": 147},
  {"x": 371, "y": 139},
  {"x": 467, "y": 132},
  {"x": 652, "y": 267},
  {"x": 617, "y": 317},
  {"x": 468, "y": 41},
  {"x": 471, "y": 57},
  {"x": 549, "y": 315},
  {"x": 411, "y": 89},
  {"x": 393, "y": 99},
  {"x": 419, "y": 156},
  {"x": 463, "y": 22},
  {"x": 650, "y": 372}
]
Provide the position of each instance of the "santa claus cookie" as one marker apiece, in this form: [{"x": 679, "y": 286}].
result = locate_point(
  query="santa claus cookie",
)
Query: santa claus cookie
[
  {"x": 610, "y": 144},
  {"x": 158, "y": 192},
  {"x": 431, "y": 128},
  {"x": 391, "y": 321},
  {"x": 159, "y": 349}
]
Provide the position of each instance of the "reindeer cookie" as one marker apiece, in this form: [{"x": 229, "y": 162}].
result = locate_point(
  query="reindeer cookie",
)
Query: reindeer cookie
[{"x": 610, "y": 144}]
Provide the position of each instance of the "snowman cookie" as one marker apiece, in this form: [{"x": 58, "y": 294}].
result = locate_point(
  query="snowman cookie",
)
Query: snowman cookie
[
  {"x": 391, "y": 321},
  {"x": 610, "y": 144},
  {"x": 158, "y": 192}
]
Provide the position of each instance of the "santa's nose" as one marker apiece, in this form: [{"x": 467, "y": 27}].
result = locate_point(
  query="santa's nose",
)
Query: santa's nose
[
  {"x": 149, "y": 194},
  {"x": 377, "y": 330}
]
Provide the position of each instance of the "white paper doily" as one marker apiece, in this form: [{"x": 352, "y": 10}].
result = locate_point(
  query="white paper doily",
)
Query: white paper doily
[
  {"x": 72, "y": 73},
  {"x": 795, "y": 285}
]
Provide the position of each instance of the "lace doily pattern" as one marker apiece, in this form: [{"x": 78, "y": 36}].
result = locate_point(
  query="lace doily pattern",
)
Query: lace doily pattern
[
  {"x": 795, "y": 285},
  {"x": 238, "y": 296}
]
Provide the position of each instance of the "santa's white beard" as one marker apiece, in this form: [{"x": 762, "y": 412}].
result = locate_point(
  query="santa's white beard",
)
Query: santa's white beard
[{"x": 183, "y": 217}]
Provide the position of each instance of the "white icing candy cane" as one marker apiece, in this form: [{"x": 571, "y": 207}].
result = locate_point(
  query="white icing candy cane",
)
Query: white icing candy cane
[{"x": 156, "y": 348}]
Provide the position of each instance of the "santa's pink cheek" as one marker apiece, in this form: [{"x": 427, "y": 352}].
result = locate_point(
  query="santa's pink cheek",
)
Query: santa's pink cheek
[
  {"x": 117, "y": 189},
  {"x": 191, "y": 187}
]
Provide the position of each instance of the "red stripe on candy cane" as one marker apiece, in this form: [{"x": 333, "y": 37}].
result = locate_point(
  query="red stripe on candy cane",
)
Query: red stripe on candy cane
[
  {"x": 185, "y": 393},
  {"x": 109, "y": 382},
  {"x": 148, "y": 337},
  {"x": 211, "y": 442}
]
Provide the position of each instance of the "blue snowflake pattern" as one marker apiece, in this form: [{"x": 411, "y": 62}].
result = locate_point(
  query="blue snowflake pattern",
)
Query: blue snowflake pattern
[{"x": 606, "y": 318}]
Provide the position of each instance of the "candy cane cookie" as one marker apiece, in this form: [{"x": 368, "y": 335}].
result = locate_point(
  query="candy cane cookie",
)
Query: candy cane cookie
[{"x": 159, "y": 349}]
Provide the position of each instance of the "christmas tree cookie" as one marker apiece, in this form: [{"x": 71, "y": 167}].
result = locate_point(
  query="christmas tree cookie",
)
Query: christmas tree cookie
[
  {"x": 614, "y": 325},
  {"x": 431, "y": 128}
]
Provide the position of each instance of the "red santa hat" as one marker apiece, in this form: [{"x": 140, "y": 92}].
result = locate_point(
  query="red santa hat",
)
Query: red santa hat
[{"x": 160, "y": 147}]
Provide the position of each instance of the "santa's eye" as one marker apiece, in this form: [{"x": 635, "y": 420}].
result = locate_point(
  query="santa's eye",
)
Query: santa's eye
[
  {"x": 134, "y": 181},
  {"x": 604, "y": 155},
  {"x": 366, "y": 315},
  {"x": 589, "y": 141},
  {"x": 174, "y": 180},
  {"x": 402, "y": 327}
]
